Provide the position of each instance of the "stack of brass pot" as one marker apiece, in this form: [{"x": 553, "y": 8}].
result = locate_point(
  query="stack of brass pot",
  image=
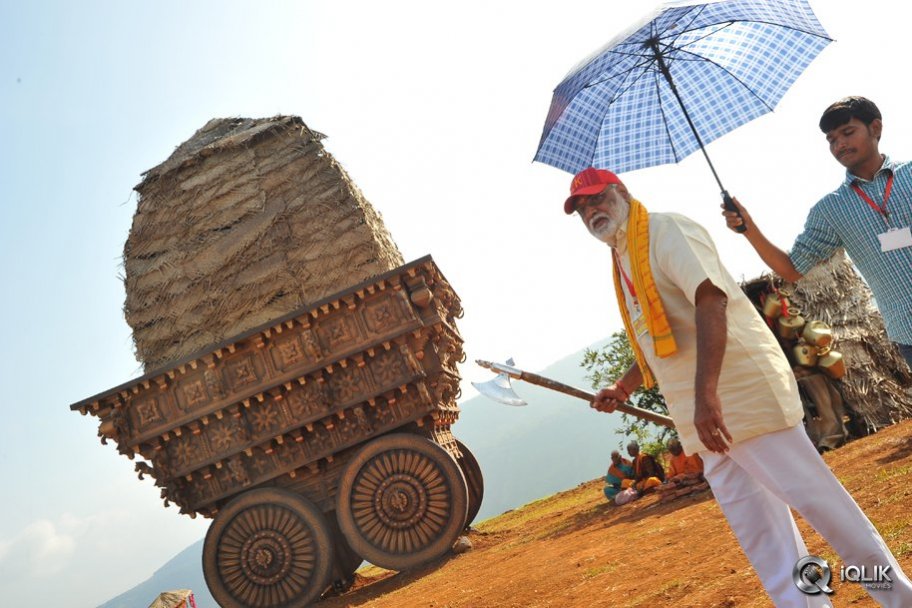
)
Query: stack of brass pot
[{"x": 813, "y": 339}]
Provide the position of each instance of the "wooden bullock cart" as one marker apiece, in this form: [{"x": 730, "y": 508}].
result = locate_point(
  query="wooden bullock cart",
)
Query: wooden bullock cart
[{"x": 315, "y": 441}]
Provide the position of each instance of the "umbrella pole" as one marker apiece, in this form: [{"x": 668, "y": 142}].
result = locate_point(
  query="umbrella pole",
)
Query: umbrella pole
[{"x": 653, "y": 43}]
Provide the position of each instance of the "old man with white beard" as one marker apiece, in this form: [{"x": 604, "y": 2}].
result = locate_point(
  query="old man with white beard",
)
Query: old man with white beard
[{"x": 730, "y": 391}]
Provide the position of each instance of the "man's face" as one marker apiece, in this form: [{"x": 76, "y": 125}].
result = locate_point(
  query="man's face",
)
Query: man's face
[
  {"x": 604, "y": 213},
  {"x": 633, "y": 450},
  {"x": 854, "y": 142},
  {"x": 616, "y": 457}
]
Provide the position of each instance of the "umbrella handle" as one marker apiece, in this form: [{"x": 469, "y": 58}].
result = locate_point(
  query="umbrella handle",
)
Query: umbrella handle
[{"x": 730, "y": 206}]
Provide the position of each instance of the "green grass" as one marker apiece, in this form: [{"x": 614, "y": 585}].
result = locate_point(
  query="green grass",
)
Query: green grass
[
  {"x": 894, "y": 530},
  {"x": 604, "y": 569},
  {"x": 890, "y": 473},
  {"x": 675, "y": 585}
]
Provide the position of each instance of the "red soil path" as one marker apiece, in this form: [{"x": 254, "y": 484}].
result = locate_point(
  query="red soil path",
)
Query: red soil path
[{"x": 574, "y": 550}]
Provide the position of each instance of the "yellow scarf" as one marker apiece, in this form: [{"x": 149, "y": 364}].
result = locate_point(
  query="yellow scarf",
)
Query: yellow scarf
[{"x": 644, "y": 285}]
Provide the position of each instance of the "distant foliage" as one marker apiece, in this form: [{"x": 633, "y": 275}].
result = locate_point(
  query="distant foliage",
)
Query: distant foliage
[{"x": 605, "y": 366}]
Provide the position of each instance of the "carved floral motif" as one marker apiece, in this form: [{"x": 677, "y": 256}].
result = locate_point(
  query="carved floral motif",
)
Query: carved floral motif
[
  {"x": 192, "y": 393},
  {"x": 264, "y": 417},
  {"x": 348, "y": 384},
  {"x": 307, "y": 400},
  {"x": 388, "y": 369},
  {"x": 148, "y": 411},
  {"x": 242, "y": 372}
]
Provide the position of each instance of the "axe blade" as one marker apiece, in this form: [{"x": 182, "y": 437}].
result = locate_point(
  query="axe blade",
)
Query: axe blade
[{"x": 500, "y": 389}]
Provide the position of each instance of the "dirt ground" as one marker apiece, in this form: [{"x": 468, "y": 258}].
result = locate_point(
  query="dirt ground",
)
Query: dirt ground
[{"x": 575, "y": 550}]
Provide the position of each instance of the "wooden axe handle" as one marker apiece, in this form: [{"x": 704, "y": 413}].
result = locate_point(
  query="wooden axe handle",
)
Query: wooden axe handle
[{"x": 575, "y": 392}]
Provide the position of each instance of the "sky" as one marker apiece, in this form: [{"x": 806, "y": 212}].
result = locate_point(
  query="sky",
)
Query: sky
[{"x": 435, "y": 110}]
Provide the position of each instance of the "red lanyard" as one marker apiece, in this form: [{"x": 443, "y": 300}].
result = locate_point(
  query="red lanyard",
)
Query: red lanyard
[
  {"x": 881, "y": 209},
  {"x": 630, "y": 288}
]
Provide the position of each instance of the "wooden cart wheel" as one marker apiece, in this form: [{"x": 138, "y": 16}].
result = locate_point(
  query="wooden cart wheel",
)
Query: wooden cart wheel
[
  {"x": 268, "y": 548},
  {"x": 474, "y": 480},
  {"x": 402, "y": 501}
]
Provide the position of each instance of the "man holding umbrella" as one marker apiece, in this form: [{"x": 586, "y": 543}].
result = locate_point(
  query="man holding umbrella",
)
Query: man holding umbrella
[
  {"x": 729, "y": 389},
  {"x": 869, "y": 215}
]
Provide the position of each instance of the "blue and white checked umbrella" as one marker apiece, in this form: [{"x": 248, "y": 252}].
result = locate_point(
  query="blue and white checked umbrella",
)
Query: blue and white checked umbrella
[{"x": 688, "y": 73}]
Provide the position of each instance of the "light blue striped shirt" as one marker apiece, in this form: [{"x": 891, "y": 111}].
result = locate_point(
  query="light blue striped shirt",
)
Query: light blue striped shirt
[{"x": 842, "y": 219}]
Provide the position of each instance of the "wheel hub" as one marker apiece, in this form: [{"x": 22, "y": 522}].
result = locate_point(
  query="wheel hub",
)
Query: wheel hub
[
  {"x": 266, "y": 557},
  {"x": 401, "y": 501}
]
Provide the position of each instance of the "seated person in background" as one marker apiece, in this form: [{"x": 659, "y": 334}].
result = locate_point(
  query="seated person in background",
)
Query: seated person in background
[
  {"x": 620, "y": 475},
  {"x": 681, "y": 466},
  {"x": 647, "y": 473}
]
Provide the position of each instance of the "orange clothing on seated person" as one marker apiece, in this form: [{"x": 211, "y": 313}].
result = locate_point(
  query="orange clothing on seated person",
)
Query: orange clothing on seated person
[
  {"x": 647, "y": 484},
  {"x": 683, "y": 464},
  {"x": 619, "y": 471},
  {"x": 647, "y": 472},
  {"x": 645, "y": 466}
]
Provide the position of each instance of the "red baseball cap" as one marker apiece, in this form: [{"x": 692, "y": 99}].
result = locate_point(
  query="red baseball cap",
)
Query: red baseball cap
[{"x": 588, "y": 181}]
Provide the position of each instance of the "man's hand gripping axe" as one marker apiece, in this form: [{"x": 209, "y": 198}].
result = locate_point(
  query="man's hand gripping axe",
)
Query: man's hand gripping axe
[{"x": 501, "y": 390}]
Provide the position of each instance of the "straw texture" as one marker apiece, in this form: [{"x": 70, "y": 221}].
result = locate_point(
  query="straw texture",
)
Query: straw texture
[
  {"x": 876, "y": 386},
  {"x": 877, "y": 380},
  {"x": 246, "y": 221}
]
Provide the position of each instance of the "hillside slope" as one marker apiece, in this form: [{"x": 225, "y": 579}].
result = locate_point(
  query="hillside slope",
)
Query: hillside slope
[
  {"x": 574, "y": 550},
  {"x": 183, "y": 571}
]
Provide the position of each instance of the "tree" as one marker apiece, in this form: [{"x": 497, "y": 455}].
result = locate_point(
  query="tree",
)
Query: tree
[{"x": 608, "y": 364}]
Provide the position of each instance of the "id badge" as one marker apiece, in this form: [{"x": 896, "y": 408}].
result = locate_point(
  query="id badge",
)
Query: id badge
[
  {"x": 896, "y": 238},
  {"x": 639, "y": 325}
]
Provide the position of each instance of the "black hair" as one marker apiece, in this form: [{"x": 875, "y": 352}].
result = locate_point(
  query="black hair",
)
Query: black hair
[{"x": 845, "y": 110}]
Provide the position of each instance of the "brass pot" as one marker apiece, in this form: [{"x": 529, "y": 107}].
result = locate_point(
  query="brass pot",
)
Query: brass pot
[
  {"x": 817, "y": 333},
  {"x": 832, "y": 363},
  {"x": 773, "y": 305},
  {"x": 790, "y": 327},
  {"x": 805, "y": 354}
]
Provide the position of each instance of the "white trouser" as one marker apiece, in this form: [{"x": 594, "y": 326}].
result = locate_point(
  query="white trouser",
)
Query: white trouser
[{"x": 757, "y": 480}]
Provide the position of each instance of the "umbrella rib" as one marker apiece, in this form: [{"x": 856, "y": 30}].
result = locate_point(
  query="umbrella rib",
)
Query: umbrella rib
[
  {"x": 699, "y": 9},
  {"x": 643, "y": 64},
  {"x": 696, "y": 13},
  {"x": 625, "y": 89},
  {"x": 787, "y": 27},
  {"x": 674, "y": 150},
  {"x": 702, "y": 59},
  {"x": 671, "y": 43},
  {"x": 697, "y": 58},
  {"x": 649, "y": 59}
]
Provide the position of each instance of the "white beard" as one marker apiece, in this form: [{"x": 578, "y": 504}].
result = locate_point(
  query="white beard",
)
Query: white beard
[{"x": 608, "y": 229}]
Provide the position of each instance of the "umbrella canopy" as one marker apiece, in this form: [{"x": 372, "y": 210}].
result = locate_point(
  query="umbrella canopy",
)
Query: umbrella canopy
[{"x": 686, "y": 74}]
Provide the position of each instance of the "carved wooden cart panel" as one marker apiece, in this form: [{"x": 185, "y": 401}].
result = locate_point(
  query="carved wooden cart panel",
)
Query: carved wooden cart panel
[{"x": 273, "y": 432}]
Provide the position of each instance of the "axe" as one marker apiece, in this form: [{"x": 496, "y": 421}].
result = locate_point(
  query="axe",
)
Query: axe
[{"x": 501, "y": 390}]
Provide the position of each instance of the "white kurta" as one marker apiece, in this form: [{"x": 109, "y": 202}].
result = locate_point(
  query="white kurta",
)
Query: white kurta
[
  {"x": 771, "y": 465},
  {"x": 756, "y": 386}
]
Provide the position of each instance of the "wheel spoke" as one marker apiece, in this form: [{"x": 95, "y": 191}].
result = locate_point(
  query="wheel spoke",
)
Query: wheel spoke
[
  {"x": 396, "y": 502},
  {"x": 266, "y": 552}
]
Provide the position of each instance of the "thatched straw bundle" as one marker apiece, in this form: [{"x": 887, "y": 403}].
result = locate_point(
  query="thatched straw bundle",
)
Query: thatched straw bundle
[
  {"x": 877, "y": 378},
  {"x": 246, "y": 221},
  {"x": 877, "y": 382}
]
